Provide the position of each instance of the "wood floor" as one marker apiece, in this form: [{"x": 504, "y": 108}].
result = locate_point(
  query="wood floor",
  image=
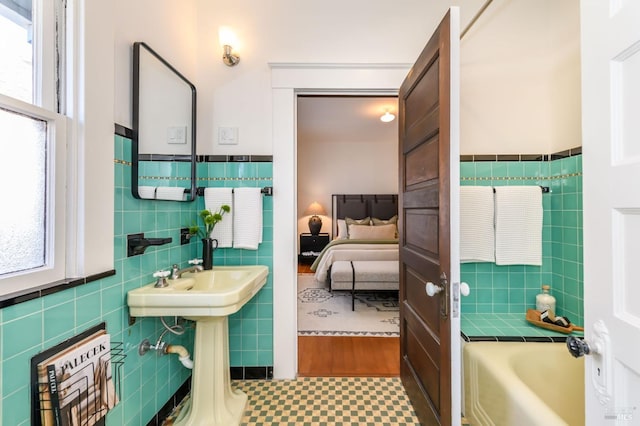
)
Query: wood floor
[
  {"x": 304, "y": 268},
  {"x": 345, "y": 356}
]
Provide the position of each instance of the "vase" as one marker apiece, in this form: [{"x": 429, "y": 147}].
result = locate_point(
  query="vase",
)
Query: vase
[{"x": 208, "y": 246}]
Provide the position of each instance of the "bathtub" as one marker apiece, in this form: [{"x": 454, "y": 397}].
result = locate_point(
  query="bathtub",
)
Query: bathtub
[{"x": 522, "y": 384}]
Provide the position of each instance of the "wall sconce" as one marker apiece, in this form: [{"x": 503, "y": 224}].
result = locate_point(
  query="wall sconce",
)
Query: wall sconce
[
  {"x": 315, "y": 223},
  {"x": 387, "y": 117},
  {"x": 227, "y": 40}
]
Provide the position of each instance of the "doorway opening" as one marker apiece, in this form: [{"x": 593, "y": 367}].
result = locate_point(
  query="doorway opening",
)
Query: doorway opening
[{"x": 343, "y": 147}]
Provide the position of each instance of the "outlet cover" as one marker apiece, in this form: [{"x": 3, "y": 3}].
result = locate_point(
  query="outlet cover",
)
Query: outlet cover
[{"x": 227, "y": 135}]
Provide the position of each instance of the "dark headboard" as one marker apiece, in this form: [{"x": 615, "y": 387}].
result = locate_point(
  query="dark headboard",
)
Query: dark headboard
[{"x": 357, "y": 206}]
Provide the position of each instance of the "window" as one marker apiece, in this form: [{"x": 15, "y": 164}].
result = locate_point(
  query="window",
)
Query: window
[
  {"x": 32, "y": 144},
  {"x": 16, "y": 62}
]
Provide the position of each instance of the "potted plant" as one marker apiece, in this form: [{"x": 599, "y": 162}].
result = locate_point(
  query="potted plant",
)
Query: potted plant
[{"x": 210, "y": 221}]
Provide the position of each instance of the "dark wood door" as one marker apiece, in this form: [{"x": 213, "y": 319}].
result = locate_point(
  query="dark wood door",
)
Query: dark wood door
[{"x": 425, "y": 134}]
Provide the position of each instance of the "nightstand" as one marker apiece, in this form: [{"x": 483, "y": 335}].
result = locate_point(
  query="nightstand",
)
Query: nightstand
[{"x": 311, "y": 246}]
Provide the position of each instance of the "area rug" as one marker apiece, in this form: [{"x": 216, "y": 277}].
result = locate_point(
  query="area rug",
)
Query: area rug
[{"x": 325, "y": 313}]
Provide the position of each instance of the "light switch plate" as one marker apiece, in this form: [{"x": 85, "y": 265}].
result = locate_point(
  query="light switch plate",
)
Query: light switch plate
[
  {"x": 227, "y": 135},
  {"x": 177, "y": 135}
]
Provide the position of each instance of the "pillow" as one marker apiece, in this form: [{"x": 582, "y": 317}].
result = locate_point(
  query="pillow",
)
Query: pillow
[
  {"x": 343, "y": 234},
  {"x": 393, "y": 220},
  {"x": 365, "y": 221},
  {"x": 365, "y": 232},
  {"x": 378, "y": 222}
]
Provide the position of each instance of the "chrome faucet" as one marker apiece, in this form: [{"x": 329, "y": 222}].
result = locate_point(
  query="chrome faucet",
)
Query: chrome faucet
[
  {"x": 177, "y": 272},
  {"x": 162, "y": 278}
]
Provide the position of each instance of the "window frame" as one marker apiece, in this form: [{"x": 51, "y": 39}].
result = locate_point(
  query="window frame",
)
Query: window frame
[
  {"x": 49, "y": 47},
  {"x": 55, "y": 201}
]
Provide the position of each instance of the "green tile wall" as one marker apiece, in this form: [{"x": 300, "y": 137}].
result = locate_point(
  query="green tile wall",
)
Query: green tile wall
[
  {"x": 153, "y": 173},
  {"x": 512, "y": 289},
  {"x": 251, "y": 329},
  {"x": 148, "y": 381}
]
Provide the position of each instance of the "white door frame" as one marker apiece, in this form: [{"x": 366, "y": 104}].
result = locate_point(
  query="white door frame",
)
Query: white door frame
[{"x": 287, "y": 81}]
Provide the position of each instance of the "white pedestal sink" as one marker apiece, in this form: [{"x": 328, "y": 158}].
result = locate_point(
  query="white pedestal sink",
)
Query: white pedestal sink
[{"x": 208, "y": 298}]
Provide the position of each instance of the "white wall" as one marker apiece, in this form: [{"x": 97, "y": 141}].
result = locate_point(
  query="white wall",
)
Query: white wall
[
  {"x": 343, "y": 167},
  {"x": 331, "y": 31},
  {"x": 92, "y": 109},
  {"x": 520, "y": 79},
  {"x": 168, "y": 27}
]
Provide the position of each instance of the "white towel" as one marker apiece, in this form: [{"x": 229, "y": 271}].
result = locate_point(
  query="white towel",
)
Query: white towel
[
  {"x": 518, "y": 225},
  {"x": 147, "y": 192},
  {"x": 173, "y": 193},
  {"x": 477, "y": 232},
  {"x": 214, "y": 198},
  {"x": 247, "y": 218}
]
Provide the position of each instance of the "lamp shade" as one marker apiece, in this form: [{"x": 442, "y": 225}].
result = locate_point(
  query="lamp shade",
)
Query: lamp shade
[
  {"x": 315, "y": 223},
  {"x": 315, "y": 208}
]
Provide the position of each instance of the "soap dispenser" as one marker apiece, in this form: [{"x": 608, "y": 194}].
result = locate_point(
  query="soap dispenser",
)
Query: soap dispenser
[{"x": 545, "y": 301}]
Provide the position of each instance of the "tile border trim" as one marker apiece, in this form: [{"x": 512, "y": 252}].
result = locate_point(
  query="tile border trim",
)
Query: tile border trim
[
  {"x": 126, "y": 132},
  {"x": 521, "y": 157},
  {"x": 524, "y": 339},
  {"x": 51, "y": 288}
]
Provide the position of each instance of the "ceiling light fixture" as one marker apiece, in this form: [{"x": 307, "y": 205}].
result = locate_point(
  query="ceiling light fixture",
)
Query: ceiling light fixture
[{"x": 387, "y": 117}]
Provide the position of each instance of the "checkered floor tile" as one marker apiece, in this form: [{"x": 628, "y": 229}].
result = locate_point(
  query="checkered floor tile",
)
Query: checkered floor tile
[
  {"x": 327, "y": 401},
  {"x": 338, "y": 401}
]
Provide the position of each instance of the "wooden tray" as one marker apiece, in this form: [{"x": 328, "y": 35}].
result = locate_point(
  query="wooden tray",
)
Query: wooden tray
[{"x": 533, "y": 317}]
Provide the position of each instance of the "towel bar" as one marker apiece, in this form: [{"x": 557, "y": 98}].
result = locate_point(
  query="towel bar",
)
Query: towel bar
[
  {"x": 545, "y": 189},
  {"x": 267, "y": 190}
]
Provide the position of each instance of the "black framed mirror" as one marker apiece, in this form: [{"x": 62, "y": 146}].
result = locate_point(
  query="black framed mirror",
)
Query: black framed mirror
[{"x": 164, "y": 129}]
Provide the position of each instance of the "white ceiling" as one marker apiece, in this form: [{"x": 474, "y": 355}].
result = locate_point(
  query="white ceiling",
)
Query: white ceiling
[{"x": 346, "y": 118}]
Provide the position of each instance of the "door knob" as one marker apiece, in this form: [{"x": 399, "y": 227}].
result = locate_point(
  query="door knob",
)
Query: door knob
[
  {"x": 433, "y": 289},
  {"x": 464, "y": 289},
  {"x": 579, "y": 347}
]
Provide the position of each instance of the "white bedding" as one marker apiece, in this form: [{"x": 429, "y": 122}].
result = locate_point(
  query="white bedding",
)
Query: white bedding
[{"x": 357, "y": 251}]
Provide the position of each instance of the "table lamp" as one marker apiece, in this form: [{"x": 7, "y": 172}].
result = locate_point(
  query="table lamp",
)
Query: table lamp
[{"x": 315, "y": 223}]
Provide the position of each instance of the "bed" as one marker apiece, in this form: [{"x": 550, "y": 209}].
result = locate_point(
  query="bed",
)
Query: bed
[{"x": 366, "y": 259}]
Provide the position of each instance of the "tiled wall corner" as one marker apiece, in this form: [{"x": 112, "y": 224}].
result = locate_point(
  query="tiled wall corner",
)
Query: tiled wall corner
[
  {"x": 566, "y": 236},
  {"x": 250, "y": 329}
]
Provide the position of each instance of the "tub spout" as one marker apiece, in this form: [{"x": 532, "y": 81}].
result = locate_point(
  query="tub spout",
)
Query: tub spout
[
  {"x": 183, "y": 355},
  {"x": 137, "y": 243}
]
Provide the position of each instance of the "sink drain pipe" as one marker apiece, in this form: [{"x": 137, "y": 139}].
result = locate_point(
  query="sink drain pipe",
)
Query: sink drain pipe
[
  {"x": 183, "y": 355},
  {"x": 163, "y": 348}
]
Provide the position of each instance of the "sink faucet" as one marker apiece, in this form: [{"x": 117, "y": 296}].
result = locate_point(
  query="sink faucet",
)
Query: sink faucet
[{"x": 177, "y": 272}]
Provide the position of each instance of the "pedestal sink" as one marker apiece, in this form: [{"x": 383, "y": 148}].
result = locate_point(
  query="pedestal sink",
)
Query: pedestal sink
[{"x": 208, "y": 298}]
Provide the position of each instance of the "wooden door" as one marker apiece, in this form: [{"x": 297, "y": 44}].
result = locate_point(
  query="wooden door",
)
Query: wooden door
[
  {"x": 611, "y": 165},
  {"x": 428, "y": 136}
]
